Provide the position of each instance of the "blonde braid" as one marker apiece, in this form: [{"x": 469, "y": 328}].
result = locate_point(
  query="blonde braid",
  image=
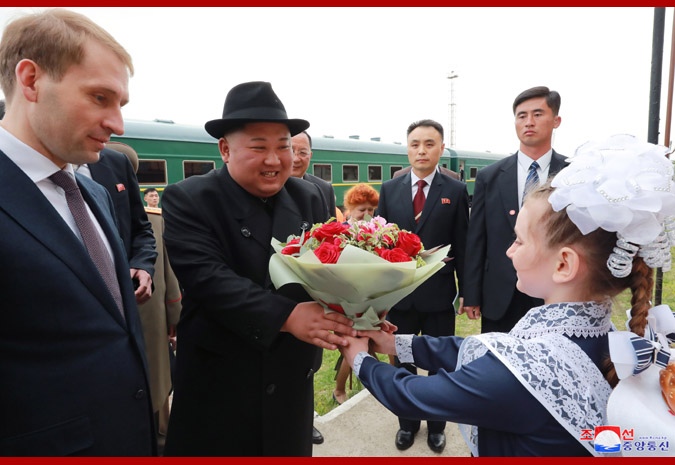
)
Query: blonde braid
[{"x": 641, "y": 286}]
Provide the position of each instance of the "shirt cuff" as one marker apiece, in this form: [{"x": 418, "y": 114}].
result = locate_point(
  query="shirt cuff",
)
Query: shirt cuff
[
  {"x": 403, "y": 345},
  {"x": 358, "y": 360}
]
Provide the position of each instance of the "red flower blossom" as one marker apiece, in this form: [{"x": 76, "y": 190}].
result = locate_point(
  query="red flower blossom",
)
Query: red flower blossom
[
  {"x": 409, "y": 242},
  {"x": 329, "y": 231},
  {"x": 292, "y": 247},
  {"x": 327, "y": 253},
  {"x": 393, "y": 255}
]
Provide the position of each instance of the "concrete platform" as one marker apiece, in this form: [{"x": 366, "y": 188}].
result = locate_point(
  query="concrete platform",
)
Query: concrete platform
[{"x": 362, "y": 427}]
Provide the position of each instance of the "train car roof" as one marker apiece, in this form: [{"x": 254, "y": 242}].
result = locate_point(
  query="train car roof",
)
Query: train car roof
[
  {"x": 168, "y": 130},
  {"x": 477, "y": 155}
]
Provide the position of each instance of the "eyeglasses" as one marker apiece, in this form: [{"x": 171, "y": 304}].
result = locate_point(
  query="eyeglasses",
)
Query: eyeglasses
[{"x": 301, "y": 153}]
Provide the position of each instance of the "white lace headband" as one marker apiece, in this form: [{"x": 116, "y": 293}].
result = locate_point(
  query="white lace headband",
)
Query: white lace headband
[{"x": 625, "y": 186}]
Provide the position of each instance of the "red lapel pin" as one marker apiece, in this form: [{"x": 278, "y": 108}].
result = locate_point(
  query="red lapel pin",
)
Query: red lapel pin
[
  {"x": 444, "y": 200},
  {"x": 120, "y": 187},
  {"x": 512, "y": 212}
]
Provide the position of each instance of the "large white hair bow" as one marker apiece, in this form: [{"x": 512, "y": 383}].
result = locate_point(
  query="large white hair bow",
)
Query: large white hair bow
[
  {"x": 625, "y": 186},
  {"x": 620, "y": 185}
]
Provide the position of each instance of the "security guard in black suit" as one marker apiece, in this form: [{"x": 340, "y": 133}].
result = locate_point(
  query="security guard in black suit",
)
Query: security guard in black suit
[
  {"x": 490, "y": 291},
  {"x": 436, "y": 208}
]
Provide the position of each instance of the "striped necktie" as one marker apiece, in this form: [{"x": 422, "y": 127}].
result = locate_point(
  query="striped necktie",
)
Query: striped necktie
[{"x": 532, "y": 180}]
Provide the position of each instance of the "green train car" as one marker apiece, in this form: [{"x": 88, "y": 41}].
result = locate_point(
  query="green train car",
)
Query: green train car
[{"x": 170, "y": 152}]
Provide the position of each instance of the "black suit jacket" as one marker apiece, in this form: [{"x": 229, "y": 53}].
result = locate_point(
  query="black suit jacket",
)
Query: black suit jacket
[
  {"x": 326, "y": 190},
  {"x": 114, "y": 171},
  {"x": 73, "y": 372},
  {"x": 444, "y": 221},
  {"x": 490, "y": 276},
  {"x": 242, "y": 387}
]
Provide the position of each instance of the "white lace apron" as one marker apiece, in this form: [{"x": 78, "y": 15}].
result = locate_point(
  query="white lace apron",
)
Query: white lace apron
[{"x": 551, "y": 367}]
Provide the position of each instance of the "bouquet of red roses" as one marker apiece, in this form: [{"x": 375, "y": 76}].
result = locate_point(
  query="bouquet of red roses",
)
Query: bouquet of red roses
[{"x": 360, "y": 270}]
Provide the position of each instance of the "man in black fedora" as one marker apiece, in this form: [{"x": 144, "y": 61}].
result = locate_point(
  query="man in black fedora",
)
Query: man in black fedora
[{"x": 245, "y": 365}]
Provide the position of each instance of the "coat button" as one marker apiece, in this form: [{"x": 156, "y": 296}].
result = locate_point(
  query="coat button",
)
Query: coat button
[
  {"x": 310, "y": 373},
  {"x": 245, "y": 232},
  {"x": 139, "y": 394},
  {"x": 270, "y": 389}
]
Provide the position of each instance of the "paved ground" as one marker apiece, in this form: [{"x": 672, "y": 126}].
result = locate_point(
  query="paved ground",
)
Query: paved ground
[{"x": 362, "y": 427}]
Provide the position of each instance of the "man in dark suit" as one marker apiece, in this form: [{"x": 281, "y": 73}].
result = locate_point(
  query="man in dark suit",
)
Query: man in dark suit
[
  {"x": 74, "y": 376},
  {"x": 115, "y": 172},
  {"x": 436, "y": 208},
  {"x": 490, "y": 289},
  {"x": 302, "y": 154},
  {"x": 244, "y": 368}
]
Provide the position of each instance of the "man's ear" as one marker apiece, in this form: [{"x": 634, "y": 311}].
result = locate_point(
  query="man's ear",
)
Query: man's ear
[
  {"x": 224, "y": 147},
  {"x": 567, "y": 266},
  {"x": 27, "y": 74}
]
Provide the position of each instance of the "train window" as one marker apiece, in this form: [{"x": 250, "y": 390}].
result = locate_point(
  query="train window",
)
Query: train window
[
  {"x": 350, "y": 173},
  {"x": 374, "y": 173},
  {"x": 393, "y": 170},
  {"x": 324, "y": 172},
  {"x": 192, "y": 168},
  {"x": 151, "y": 172},
  {"x": 472, "y": 172}
]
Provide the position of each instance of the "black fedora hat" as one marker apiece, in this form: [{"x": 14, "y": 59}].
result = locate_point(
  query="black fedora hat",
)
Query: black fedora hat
[{"x": 253, "y": 102}]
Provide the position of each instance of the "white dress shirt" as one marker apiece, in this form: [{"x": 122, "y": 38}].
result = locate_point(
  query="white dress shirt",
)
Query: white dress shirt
[
  {"x": 38, "y": 168},
  {"x": 414, "y": 179}
]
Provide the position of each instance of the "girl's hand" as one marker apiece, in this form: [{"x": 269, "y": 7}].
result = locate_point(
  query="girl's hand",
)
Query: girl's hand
[
  {"x": 382, "y": 341},
  {"x": 353, "y": 347}
]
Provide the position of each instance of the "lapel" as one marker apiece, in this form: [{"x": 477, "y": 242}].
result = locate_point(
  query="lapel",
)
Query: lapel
[
  {"x": 557, "y": 163},
  {"x": 431, "y": 201},
  {"x": 287, "y": 217},
  {"x": 403, "y": 197},
  {"x": 508, "y": 188},
  {"x": 95, "y": 200},
  {"x": 21, "y": 199}
]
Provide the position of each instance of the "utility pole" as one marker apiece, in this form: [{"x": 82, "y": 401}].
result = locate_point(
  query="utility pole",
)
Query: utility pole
[
  {"x": 654, "y": 108},
  {"x": 451, "y": 107}
]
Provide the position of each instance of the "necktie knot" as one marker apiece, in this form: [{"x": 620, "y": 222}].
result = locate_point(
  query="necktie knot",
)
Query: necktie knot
[
  {"x": 534, "y": 166},
  {"x": 421, "y": 183},
  {"x": 64, "y": 181}
]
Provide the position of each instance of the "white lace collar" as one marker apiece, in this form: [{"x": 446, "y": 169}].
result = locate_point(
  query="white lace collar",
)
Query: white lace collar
[{"x": 573, "y": 319}]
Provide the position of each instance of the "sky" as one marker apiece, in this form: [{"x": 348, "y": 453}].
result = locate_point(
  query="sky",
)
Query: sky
[{"x": 372, "y": 71}]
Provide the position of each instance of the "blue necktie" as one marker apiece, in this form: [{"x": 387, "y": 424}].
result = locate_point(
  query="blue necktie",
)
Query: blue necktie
[{"x": 532, "y": 180}]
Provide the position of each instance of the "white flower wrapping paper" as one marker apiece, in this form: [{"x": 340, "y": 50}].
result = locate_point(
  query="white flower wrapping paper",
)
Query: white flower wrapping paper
[{"x": 364, "y": 285}]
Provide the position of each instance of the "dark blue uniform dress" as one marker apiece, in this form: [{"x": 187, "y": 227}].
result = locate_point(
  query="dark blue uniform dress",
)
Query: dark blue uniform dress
[{"x": 484, "y": 393}]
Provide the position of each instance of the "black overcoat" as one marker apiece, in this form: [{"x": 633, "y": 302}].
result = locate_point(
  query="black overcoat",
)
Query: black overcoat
[{"x": 242, "y": 387}]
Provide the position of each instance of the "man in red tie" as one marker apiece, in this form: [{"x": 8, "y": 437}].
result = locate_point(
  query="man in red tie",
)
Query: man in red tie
[{"x": 436, "y": 208}]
